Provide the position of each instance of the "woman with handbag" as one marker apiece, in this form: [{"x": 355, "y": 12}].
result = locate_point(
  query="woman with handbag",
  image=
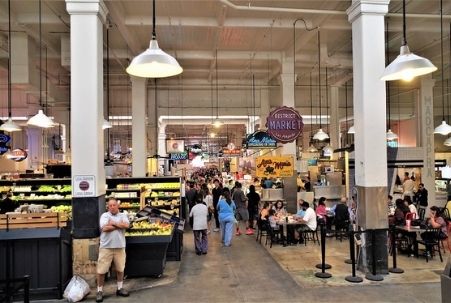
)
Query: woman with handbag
[{"x": 226, "y": 210}]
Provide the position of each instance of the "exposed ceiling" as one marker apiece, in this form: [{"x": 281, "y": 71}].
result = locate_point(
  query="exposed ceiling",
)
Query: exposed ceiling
[{"x": 247, "y": 36}]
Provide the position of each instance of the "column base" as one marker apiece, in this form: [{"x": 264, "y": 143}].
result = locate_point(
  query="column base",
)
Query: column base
[
  {"x": 380, "y": 249},
  {"x": 84, "y": 255},
  {"x": 86, "y": 213}
]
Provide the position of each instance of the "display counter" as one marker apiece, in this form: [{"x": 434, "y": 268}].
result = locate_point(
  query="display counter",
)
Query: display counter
[{"x": 271, "y": 195}]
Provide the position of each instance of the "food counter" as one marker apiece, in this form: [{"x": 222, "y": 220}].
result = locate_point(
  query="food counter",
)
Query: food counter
[{"x": 330, "y": 192}]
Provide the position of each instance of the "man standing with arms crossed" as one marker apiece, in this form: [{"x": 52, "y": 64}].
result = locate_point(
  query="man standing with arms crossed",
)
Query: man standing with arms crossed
[{"x": 112, "y": 247}]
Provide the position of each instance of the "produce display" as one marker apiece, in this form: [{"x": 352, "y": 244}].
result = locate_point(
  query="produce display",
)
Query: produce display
[
  {"x": 161, "y": 194},
  {"x": 42, "y": 197},
  {"x": 171, "y": 203},
  {"x": 5, "y": 188},
  {"x": 67, "y": 209},
  {"x": 22, "y": 188},
  {"x": 129, "y": 205},
  {"x": 46, "y": 189},
  {"x": 146, "y": 228},
  {"x": 146, "y": 186},
  {"x": 125, "y": 195},
  {"x": 167, "y": 185}
]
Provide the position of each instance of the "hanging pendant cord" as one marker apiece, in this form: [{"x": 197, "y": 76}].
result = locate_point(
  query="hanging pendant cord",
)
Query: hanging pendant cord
[
  {"x": 319, "y": 78},
  {"x": 217, "y": 85},
  {"x": 108, "y": 89},
  {"x": 441, "y": 58},
  {"x": 40, "y": 54},
  {"x": 311, "y": 102},
  {"x": 46, "y": 83},
  {"x": 387, "y": 83},
  {"x": 404, "y": 25},
  {"x": 346, "y": 112},
  {"x": 327, "y": 101},
  {"x": 9, "y": 60},
  {"x": 154, "y": 34}
]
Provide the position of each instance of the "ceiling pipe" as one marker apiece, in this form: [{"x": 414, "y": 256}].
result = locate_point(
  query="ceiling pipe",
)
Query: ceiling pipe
[{"x": 317, "y": 11}]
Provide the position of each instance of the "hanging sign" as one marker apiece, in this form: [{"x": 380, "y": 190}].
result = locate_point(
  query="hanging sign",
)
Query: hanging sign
[
  {"x": 231, "y": 152},
  {"x": 84, "y": 186},
  {"x": 284, "y": 124},
  {"x": 269, "y": 166},
  {"x": 4, "y": 139},
  {"x": 175, "y": 146},
  {"x": 179, "y": 156},
  {"x": 18, "y": 155},
  {"x": 260, "y": 140}
]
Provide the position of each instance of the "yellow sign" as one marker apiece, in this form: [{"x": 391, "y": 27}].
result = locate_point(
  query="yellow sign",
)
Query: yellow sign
[{"x": 269, "y": 166}]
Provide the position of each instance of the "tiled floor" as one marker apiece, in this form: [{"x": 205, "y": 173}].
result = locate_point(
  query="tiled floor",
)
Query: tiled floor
[{"x": 250, "y": 272}]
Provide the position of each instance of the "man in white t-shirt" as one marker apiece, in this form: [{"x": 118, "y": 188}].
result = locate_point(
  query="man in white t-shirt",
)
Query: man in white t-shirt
[
  {"x": 308, "y": 221},
  {"x": 199, "y": 212}
]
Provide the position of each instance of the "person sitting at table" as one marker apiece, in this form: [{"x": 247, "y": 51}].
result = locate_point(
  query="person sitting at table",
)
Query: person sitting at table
[
  {"x": 436, "y": 221},
  {"x": 411, "y": 206},
  {"x": 308, "y": 221},
  {"x": 264, "y": 213},
  {"x": 400, "y": 212},
  {"x": 279, "y": 209},
  {"x": 342, "y": 215},
  {"x": 321, "y": 211},
  {"x": 301, "y": 212},
  {"x": 272, "y": 218}
]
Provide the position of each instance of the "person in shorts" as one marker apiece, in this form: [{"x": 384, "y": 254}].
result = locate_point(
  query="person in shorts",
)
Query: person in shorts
[
  {"x": 242, "y": 213},
  {"x": 112, "y": 247}
]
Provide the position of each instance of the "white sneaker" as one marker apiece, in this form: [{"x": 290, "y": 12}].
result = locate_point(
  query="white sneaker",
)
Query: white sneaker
[
  {"x": 216, "y": 229},
  {"x": 208, "y": 232}
]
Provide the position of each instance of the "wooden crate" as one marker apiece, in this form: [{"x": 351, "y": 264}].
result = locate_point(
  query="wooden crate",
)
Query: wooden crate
[{"x": 33, "y": 220}]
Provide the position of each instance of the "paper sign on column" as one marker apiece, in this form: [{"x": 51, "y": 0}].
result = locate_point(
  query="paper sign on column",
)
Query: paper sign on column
[{"x": 84, "y": 186}]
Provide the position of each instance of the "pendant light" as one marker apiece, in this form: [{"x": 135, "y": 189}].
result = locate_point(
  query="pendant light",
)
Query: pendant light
[
  {"x": 40, "y": 119},
  {"x": 407, "y": 65},
  {"x": 217, "y": 123},
  {"x": 320, "y": 134},
  {"x": 443, "y": 129},
  {"x": 153, "y": 62},
  {"x": 107, "y": 124},
  {"x": 9, "y": 126},
  {"x": 390, "y": 135},
  {"x": 327, "y": 150},
  {"x": 448, "y": 141}
]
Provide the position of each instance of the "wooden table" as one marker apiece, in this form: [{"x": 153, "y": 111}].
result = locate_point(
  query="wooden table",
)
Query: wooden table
[
  {"x": 410, "y": 230},
  {"x": 284, "y": 224}
]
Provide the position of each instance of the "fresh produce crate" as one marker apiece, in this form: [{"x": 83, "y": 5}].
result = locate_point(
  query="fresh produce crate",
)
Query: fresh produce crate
[{"x": 33, "y": 220}]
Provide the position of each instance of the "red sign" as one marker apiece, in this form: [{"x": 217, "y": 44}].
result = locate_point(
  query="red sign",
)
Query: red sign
[
  {"x": 231, "y": 152},
  {"x": 284, "y": 124},
  {"x": 18, "y": 155},
  {"x": 84, "y": 185}
]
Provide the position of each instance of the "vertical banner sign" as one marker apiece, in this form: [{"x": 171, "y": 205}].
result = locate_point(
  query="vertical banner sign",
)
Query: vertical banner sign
[
  {"x": 277, "y": 167},
  {"x": 84, "y": 186},
  {"x": 284, "y": 124}
]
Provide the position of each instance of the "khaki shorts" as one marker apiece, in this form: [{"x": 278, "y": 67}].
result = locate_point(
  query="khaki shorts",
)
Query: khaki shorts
[{"x": 106, "y": 256}]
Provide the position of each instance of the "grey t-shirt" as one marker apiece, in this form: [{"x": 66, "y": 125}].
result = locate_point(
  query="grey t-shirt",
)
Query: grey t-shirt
[
  {"x": 239, "y": 198},
  {"x": 115, "y": 238}
]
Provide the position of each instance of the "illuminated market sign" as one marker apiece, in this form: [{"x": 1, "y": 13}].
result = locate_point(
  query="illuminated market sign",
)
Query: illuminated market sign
[
  {"x": 284, "y": 124},
  {"x": 260, "y": 139},
  {"x": 179, "y": 156}
]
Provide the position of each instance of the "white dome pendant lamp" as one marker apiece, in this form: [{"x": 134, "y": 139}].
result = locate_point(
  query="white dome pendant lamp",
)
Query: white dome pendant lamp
[
  {"x": 407, "y": 65},
  {"x": 320, "y": 134},
  {"x": 9, "y": 126},
  {"x": 153, "y": 62},
  {"x": 390, "y": 135}
]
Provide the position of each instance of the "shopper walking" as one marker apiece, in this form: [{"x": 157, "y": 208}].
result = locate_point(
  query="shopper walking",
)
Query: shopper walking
[
  {"x": 217, "y": 192},
  {"x": 208, "y": 201},
  {"x": 242, "y": 214},
  {"x": 226, "y": 211},
  {"x": 199, "y": 213},
  {"x": 112, "y": 247},
  {"x": 253, "y": 199}
]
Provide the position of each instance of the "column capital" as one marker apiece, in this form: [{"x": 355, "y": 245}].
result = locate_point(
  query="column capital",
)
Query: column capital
[
  {"x": 87, "y": 7},
  {"x": 367, "y": 7}
]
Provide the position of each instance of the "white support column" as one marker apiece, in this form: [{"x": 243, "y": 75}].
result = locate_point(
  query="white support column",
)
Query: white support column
[
  {"x": 426, "y": 107},
  {"x": 368, "y": 49},
  {"x": 334, "y": 130},
  {"x": 86, "y": 18},
  {"x": 139, "y": 134},
  {"x": 161, "y": 144}
]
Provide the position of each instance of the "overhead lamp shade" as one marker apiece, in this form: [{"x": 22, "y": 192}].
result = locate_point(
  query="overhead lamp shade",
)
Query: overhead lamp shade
[
  {"x": 40, "y": 120},
  {"x": 391, "y": 135},
  {"x": 407, "y": 66},
  {"x": 447, "y": 142},
  {"x": 106, "y": 124},
  {"x": 321, "y": 135},
  {"x": 217, "y": 123},
  {"x": 443, "y": 129},
  {"x": 328, "y": 150},
  {"x": 351, "y": 130},
  {"x": 154, "y": 63},
  {"x": 10, "y": 126}
]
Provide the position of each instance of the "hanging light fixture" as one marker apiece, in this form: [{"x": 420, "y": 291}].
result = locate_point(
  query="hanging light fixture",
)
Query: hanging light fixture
[
  {"x": 407, "y": 65},
  {"x": 390, "y": 135},
  {"x": 153, "y": 62},
  {"x": 107, "y": 124},
  {"x": 327, "y": 150},
  {"x": 9, "y": 126},
  {"x": 351, "y": 130},
  {"x": 40, "y": 119},
  {"x": 448, "y": 140},
  {"x": 444, "y": 128},
  {"x": 311, "y": 148},
  {"x": 217, "y": 122},
  {"x": 320, "y": 134}
]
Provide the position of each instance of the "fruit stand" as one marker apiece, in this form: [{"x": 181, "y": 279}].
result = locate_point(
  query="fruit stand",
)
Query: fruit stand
[{"x": 147, "y": 244}]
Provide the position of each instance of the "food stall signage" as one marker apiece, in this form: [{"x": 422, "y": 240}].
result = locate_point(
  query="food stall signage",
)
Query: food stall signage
[
  {"x": 260, "y": 140},
  {"x": 269, "y": 166},
  {"x": 231, "y": 152},
  {"x": 84, "y": 186},
  {"x": 18, "y": 155},
  {"x": 179, "y": 156},
  {"x": 284, "y": 124}
]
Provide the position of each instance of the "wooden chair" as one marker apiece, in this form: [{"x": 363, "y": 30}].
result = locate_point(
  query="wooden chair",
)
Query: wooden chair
[{"x": 262, "y": 229}]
